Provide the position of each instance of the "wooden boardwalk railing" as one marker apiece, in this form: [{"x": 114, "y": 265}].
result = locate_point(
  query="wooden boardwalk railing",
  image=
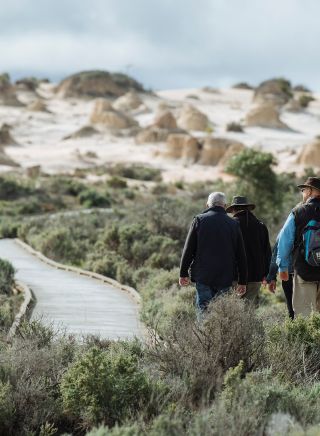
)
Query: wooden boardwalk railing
[{"x": 81, "y": 302}]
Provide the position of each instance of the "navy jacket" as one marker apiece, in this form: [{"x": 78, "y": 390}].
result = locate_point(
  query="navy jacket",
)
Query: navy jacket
[{"x": 214, "y": 250}]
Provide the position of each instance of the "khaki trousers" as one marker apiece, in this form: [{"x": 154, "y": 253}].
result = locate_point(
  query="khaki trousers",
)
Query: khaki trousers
[
  {"x": 306, "y": 296},
  {"x": 252, "y": 294}
]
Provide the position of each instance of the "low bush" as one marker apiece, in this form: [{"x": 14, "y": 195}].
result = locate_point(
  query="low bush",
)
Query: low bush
[
  {"x": 201, "y": 353},
  {"x": 294, "y": 349},
  {"x": 234, "y": 127},
  {"x": 137, "y": 172},
  {"x": 106, "y": 386},
  {"x": 117, "y": 182},
  {"x": 11, "y": 189},
  {"x": 7, "y": 272},
  {"x": 305, "y": 99},
  {"x": 92, "y": 198}
]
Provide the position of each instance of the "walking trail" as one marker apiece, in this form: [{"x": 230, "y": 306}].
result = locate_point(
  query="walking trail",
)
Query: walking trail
[{"x": 82, "y": 305}]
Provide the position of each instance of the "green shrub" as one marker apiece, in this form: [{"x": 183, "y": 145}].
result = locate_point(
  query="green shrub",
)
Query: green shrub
[
  {"x": 7, "y": 408},
  {"x": 234, "y": 127},
  {"x": 200, "y": 354},
  {"x": 294, "y": 349},
  {"x": 137, "y": 172},
  {"x": 130, "y": 430},
  {"x": 64, "y": 186},
  {"x": 305, "y": 99},
  {"x": 91, "y": 198},
  {"x": 246, "y": 404},
  {"x": 105, "y": 386},
  {"x": 7, "y": 272},
  {"x": 117, "y": 183},
  {"x": 11, "y": 189}
]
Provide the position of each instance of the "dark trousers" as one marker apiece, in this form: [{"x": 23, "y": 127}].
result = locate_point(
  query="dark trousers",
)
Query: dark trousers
[
  {"x": 288, "y": 291},
  {"x": 206, "y": 293}
]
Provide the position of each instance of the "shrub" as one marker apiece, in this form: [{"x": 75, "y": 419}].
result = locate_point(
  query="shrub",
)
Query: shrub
[
  {"x": 6, "y": 407},
  {"x": 245, "y": 405},
  {"x": 105, "y": 386},
  {"x": 117, "y": 183},
  {"x": 11, "y": 189},
  {"x": 34, "y": 372},
  {"x": 200, "y": 354},
  {"x": 294, "y": 349},
  {"x": 91, "y": 198},
  {"x": 64, "y": 186},
  {"x": 7, "y": 272},
  {"x": 305, "y": 99},
  {"x": 234, "y": 127},
  {"x": 137, "y": 172}
]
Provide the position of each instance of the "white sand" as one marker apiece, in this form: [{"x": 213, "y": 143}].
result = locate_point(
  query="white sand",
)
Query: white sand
[{"x": 40, "y": 135}]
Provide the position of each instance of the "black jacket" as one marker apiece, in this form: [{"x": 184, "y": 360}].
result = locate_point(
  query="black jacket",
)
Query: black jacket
[
  {"x": 214, "y": 250},
  {"x": 257, "y": 245}
]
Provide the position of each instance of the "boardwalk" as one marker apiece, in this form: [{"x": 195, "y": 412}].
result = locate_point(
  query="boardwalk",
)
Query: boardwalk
[{"x": 80, "y": 304}]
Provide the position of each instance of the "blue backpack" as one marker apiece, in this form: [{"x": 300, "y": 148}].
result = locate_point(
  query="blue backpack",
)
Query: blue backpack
[{"x": 311, "y": 243}]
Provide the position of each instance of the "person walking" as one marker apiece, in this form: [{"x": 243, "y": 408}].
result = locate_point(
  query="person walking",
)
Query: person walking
[
  {"x": 213, "y": 253},
  {"x": 287, "y": 286},
  {"x": 257, "y": 245},
  {"x": 300, "y": 237}
]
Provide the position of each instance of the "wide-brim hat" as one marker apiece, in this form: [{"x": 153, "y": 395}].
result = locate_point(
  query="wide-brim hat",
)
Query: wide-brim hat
[
  {"x": 240, "y": 201},
  {"x": 311, "y": 182}
]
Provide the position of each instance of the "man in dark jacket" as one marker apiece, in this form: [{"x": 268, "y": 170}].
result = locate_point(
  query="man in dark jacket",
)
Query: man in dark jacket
[
  {"x": 214, "y": 252},
  {"x": 257, "y": 245},
  {"x": 293, "y": 241}
]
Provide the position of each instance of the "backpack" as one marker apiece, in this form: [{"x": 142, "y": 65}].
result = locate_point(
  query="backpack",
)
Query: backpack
[{"x": 311, "y": 243}]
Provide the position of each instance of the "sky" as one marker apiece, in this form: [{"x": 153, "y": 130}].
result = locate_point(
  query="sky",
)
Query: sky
[{"x": 164, "y": 43}]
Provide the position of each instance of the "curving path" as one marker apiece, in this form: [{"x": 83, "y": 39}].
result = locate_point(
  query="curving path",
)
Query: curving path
[{"x": 81, "y": 304}]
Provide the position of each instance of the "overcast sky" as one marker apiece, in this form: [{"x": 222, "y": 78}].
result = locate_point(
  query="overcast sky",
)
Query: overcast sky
[{"x": 164, "y": 43}]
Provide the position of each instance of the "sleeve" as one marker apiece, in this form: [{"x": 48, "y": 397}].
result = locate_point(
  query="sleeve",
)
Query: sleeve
[
  {"x": 266, "y": 250},
  {"x": 286, "y": 243},
  {"x": 273, "y": 269},
  {"x": 189, "y": 249},
  {"x": 241, "y": 258}
]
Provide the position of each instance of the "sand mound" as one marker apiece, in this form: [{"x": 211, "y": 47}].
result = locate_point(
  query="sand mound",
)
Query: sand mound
[
  {"x": 103, "y": 113},
  {"x": 84, "y": 132},
  {"x": 6, "y": 160},
  {"x": 266, "y": 115},
  {"x": 214, "y": 149},
  {"x": 192, "y": 119},
  {"x": 5, "y": 136},
  {"x": 7, "y": 92},
  {"x": 128, "y": 102},
  {"x": 165, "y": 120},
  {"x": 152, "y": 134},
  {"x": 180, "y": 145},
  {"x": 277, "y": 91},
  {"x": 97, "y": 84},
  {"x": 310, "y": 155},
  {"x": 38, "y": 106},
  {"x": 233, "y": 149}
]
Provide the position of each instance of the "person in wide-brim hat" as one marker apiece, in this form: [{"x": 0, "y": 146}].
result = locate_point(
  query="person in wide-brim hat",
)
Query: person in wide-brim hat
[
  {"x": 257, "y": 245},
  {"x": 238, "y": 202},
  {"x": 311, "y": 182},
  {"x": 292, "y": 242}
]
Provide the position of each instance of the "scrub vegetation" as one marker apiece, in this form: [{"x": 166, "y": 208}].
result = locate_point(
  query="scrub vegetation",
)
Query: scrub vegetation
[{"x": 242, "y": 371}]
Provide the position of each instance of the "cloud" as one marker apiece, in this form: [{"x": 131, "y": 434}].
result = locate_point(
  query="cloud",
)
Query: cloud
[{"x": 167, "y": 44}]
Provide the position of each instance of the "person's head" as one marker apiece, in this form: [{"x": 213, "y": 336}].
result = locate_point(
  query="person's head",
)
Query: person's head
[
  {"x": 240, "y": 203},
  {"x": 217, "y": 199},
  {"x": 310, "y": 189}
]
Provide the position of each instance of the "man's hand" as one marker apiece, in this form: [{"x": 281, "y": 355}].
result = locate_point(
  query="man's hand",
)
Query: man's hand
[
  {"x": 184, "y": 281},
  {"x": 241, "y": 290},
  {"x": 272, "y": 286},
  {"x": 284, "y": 276}
]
